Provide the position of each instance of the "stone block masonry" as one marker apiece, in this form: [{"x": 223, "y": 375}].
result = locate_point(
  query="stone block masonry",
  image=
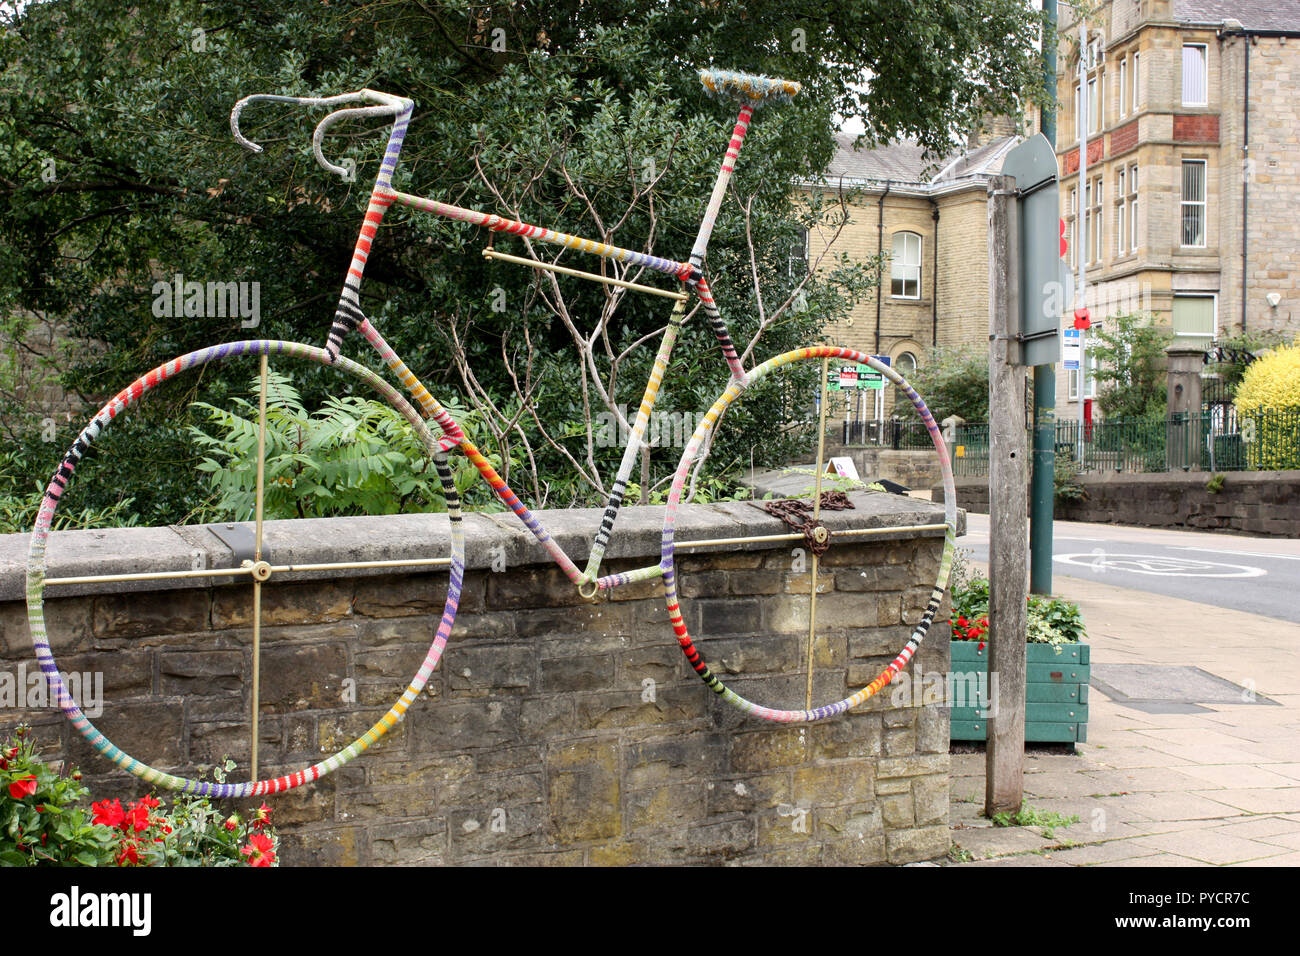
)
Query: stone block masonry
[
  {"x": 1264, "y": 503},
  {"x": 554, "y": 731}
]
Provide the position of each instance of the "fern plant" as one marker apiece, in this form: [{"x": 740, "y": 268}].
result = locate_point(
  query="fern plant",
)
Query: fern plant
[{"x": 354, "y": 456}]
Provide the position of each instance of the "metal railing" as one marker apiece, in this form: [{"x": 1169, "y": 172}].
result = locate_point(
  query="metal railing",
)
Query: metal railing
[
  {"x": 1215, "y": 440},
  {"x": 898, "y": 434}
]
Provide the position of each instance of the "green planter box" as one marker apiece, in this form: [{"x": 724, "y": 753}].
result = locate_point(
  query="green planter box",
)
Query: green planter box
[{"x": 1056, "y": 692}]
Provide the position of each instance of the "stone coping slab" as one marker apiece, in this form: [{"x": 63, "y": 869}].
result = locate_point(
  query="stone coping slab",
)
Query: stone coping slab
[{"x": 489, "y": 537}]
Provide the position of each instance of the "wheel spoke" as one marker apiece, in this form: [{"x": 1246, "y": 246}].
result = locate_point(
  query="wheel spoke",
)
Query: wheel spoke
[
  {"x": 816, "y": 516},
  {"x": 258, "y": 516}
]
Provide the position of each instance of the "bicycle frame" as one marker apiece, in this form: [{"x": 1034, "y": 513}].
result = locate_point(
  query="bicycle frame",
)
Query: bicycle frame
[{"x": 349, "y": 315}]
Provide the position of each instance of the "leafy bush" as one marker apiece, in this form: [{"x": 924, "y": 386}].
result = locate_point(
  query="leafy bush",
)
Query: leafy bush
[
  {"x": 18, "y": 510},
  {"x": 1268, "y": 408},
  {"x": 1065, "y": 481},
  {"x": 955, "y": 381},
  {"x": 42, "y": 822},
  {"x": 1271, "y": 381},
  {"x": 1131, "y": 366},
  {"x": 354, "y": 456},
  {"x": 1054, "y": 621},
  {"x": 1048, "y": 620}
]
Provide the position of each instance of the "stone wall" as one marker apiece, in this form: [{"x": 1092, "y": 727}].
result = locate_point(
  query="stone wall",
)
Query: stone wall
[
  {"x": 1250, "y": 502},
  {"x": 554, "y": 731}
]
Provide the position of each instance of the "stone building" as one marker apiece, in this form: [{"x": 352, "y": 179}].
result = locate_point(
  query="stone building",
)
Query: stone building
[
  {"x": 927, "y": 218},
  {"x": 1193, "y": 170}
]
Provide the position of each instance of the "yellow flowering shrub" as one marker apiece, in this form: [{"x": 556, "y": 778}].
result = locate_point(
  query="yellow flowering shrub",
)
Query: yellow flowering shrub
[{"x": 1268, "y": 409}]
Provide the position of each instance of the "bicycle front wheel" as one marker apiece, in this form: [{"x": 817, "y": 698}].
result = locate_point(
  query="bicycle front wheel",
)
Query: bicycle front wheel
[
  {"x": 36, "y": 568},
  {"x": 695, "y": 448}
]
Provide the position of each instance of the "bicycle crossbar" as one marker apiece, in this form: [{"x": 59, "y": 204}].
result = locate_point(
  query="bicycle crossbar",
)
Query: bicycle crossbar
[
  {"x": 678, "y": 270},
  {"x": 605, "y": 280}
]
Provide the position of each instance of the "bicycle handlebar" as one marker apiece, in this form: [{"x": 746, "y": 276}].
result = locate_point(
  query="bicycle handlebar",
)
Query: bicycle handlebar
[
  {"x": 748, "y": 87},
  {"x": 385, "y": 105}
]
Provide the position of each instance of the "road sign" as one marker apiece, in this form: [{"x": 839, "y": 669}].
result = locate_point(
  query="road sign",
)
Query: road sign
[
  {"x": 1071, "y": 348},
  {"x": 855, "y": 376},
  {"x": 1033, "y": 163},
  {"x": 869, "y": 377}
]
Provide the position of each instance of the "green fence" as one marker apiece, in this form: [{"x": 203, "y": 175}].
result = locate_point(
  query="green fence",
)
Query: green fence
[{"x": 1216, "y": 440}]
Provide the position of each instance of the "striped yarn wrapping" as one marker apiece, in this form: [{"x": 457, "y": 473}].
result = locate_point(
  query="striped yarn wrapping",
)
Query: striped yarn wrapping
[
  {"x": 733, "y": 391},
  {"x": 36, "y": 570},
  {"x": 730, "y": 84}
]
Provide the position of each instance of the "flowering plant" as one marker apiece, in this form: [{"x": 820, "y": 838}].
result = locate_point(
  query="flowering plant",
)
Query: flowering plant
[
  {"x": 1048, "y": 621},
  {"x": 42, "y": 823}
]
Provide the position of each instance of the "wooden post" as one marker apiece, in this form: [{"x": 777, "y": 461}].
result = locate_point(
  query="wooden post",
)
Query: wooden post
[{"x": 1008, "y": 503}]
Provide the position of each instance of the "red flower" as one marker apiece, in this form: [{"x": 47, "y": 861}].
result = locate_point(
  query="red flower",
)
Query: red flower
[
  {"x": 984, "y": 621},
  {"x": 129, "y": 854},
  {"x": 981, "y": 647},
  {"x": 231, "y": 824},
  {"x": 962, "y": 622},
  {"x": 108, "y": 813},
  {"x": 260, "y": 850},
  {"x": 23, "y": 788},
  {"x": 150, "y": 802},
  {"x": 261, "y": 816},
  {"x": 972, "y": 633},
  {"x": 138, "y": 818},
  {"x": 4, "y": 764},
  {"x": 11, "y": 753}
]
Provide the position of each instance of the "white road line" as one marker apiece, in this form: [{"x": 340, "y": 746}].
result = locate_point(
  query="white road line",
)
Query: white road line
[
  {"x": 1159, "y": 565},
  {"x": 1250, "y": 554}
]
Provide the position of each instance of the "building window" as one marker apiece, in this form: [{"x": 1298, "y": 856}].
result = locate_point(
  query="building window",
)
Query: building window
[
  {"x": 1136, "y": 81},
  {"x": 1123, "y": 86},
  {"x": 1095, "y": 225},
  {"x": 1194, "y": 317},
  {"x": 905, "y": 364},
  {"x": 905, "y": 266},
  {"x": 1078, "y": 114},
  {"x": 798, "y": 259},
  {"x": 1074, "y": 227},
  {"x": 1094, "y": 104},
  {"x": 1073, "y": 379},
  {"x": 1195, "y": 76},
  {"x": 1121, "y": 233},
  {"x": 1133, "y": 208},
  {"x": 1193, "y": 203}
]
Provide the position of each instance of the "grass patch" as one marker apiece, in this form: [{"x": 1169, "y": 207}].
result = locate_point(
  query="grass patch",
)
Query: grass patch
[{"x": 1028, "y": 816}]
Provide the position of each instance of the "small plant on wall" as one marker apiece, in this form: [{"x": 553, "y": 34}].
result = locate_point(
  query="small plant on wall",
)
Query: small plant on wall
[{"x": 45, "y": 821}]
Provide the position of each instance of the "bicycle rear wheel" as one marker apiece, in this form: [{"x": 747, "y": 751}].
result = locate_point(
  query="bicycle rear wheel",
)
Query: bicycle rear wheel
[
  {"x": 693, "y": 451},
  {"x": 36, "y": 569}
]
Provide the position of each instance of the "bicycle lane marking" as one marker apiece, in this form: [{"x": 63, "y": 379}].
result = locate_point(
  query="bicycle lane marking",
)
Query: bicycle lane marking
[{"x": 1160, "y": 565}]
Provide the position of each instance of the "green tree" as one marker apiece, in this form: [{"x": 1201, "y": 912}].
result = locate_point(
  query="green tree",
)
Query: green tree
[
  {"x": 1129, "y": 350},
  {"x": 954, "y": 380},
  {"x": 119, "y": 170}
]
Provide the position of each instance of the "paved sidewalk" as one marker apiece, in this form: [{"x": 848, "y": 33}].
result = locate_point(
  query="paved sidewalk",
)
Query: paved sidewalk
[{"x": 1220, "y": 786}]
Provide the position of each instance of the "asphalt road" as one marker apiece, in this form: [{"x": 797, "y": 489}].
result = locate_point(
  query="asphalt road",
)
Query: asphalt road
[{"x": 1258, "y": 575}]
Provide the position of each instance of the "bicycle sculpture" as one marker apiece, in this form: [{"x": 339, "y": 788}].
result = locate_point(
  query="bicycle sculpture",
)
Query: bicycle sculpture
[{"x": 751, "y": 92}]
